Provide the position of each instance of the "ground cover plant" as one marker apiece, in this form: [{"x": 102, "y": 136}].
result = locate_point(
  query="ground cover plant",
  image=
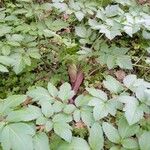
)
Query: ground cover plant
[{"x": 74, "y": 75}]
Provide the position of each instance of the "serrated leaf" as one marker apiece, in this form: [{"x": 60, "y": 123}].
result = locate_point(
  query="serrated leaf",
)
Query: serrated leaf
[
  {"x": 130, "y": 143},
  {"x": 96, "y": 139},
  {"x": 41, "y": 141},
  {"x": 81, "y": 31},
  {"x": 97, "y": 93},
  {"x": 52, "y": 89},
  {"x": 58, "y": 106},
  {"x": 62, "y": 118},
  {"x": 125, "y": 130},
  {"x": 40, "y": 94},
  {"x": 25, "y": 114},
  {"x": 3, "y": 68},
  {"x": 133, "y": 111},
  {"x": 11, "y": 102},
  {"x": 63, "y": 130},
  {"x": 6, "y": 60},
  {"x": 65, "y": 92},
  {"x": 113, "y": 85},
  {"x": 17, "y": 136},
  {"x": 79, "y": 15},
  {"x": 76, "y": 115},
  {"x": 68, "y": 109},
  {"x": 144, "y": 141},
  {"x": 87, "y": 117},
  {"x": 47, "y": 108},
  {"x": 76, "y": 144},
  {"x": 111, "y": 132}
]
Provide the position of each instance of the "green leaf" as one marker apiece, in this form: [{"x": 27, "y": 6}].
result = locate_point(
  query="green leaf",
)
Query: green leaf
[
  {"x": 4, "y": 29},
  {"x": 133, "y": 111},
  {"x": 63, "y": 130},
  {"x": 87, "y": 117},
  {"x": 19, "y": 64},
  {"x": 96, "y": 139},
  {"x": 81, "y": 31},
  {"x": 130, "y": 143},
  {"x": 52, "y": 90},
  {"x": 3, "y": 68},
  {"x": 144, "y": 141},
  {"x": 40, "y": 94},
  {"x": 124, "y": 62},
  {"x": 47, "y": 108},
  {"x": 113, "y": 85},
  {"x": 41, "y": 141},
  {"x": 76, "y": 115},
  {"x": 69, "y": 109},
  {"x": 12, "y": 102},
  {"x": 5, "y": 60},
  {"x": 100, "y": 110},
  {"x": 82, "y": 100},
  {"x": 24, "y": 114},
  {"x": 62, "y": 118},
  {"x": 111, "y": 132},
  {"x": 17, "y": 136},
  {"x": 56, "y": 25},
  {"x": 79, "y": 15},
  {"x": 48, "y": 126},
  {"x": 76, "y": 144},
  {"x": 58, "y": 106},
  {"x": 97, "y": 93},
  {"x": 65, "y": 92},
  {"x": 126, "y": 130}
]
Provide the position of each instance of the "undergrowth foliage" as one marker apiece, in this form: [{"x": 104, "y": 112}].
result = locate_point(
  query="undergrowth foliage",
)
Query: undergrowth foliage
[
  {"x": 40, "y": 40},
  {"x": 25, "y": 119}
]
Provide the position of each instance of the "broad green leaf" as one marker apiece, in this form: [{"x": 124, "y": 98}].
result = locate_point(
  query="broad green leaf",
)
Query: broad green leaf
[
  {"x": 76, "y": 144},
  {"x": 68, "y": 109},
  {"x": 17, "y": 136},
  {"x": 4, "y": 29},
  {"x": 19, "y": 64},
  {"x": 65, "y": 92},
  {"x": 79, "y": 15},
  {"x": 63, "y": 130},
  {"x": 87, "y": 117},
  {"x": 76, "y": 115},
  {"x": 111, "y": 132},
  {"x": 130, "y": 143},
  {"x": 58, "y": 106},
  {"x": 60, "y": 117},
  {"x": 56, "y": 25},
  {"x": 41, "y": 141},
  {"x": 48, "y": 126},
  {"x": 40, "y": 94},
  {"x": 96, "y": 139},
  {"x": 12, "y": 102},
  {"x": 133, "y": 111},
  {"x": 34, "y": 53},
  {"x": 124, "y": 62},
  {"x": 81, "y": 31},
  {"x": 113, "y": 85},
  {"x": 126, "y": 130},
  {"x": 6, "y": 60},
  {"x": 52, "y": 89},
  {"x": 3, "y": 68},
  {"x": 97, "y": 93},
  {"x": 47, "y": 108},
  {"x": 6, "y": 50},
  {"x": 24, "y": 114},
  {"x": 144, "y": 141},
  {"x": 82, "y": 100},
  {"x": 100, "y": 111}
]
